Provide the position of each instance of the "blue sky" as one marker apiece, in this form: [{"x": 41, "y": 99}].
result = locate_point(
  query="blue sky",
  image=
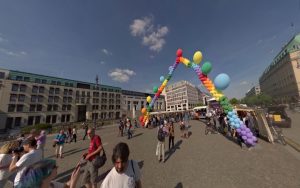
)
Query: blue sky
[{"x": 130, "y": 44}]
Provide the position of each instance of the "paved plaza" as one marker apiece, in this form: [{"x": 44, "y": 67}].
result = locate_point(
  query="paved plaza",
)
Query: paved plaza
[{"x": 200, "y": 161}]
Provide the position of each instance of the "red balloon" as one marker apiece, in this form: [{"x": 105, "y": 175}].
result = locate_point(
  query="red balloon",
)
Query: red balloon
[
  {"x": 143, "y": 124},
  {"x": 179, "y": 52},
  {"x": 141, "y": 118},
  {"x": 177, "y": 59}
]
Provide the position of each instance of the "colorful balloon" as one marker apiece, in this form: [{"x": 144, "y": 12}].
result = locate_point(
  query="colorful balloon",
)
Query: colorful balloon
[
  {"x": 162, "y": 78},
  {"x": 222, "y": 81},
  {"x": 148, "y": 99},
  {"x": 144, "y": 110},
  {"x": 197, "y": 57},
  {"x": 155, "y": 89},
  {"x": 206, "y": 68},
  {"x": 179, "y": 52}
]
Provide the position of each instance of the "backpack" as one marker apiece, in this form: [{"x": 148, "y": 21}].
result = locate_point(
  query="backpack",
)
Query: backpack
[{"x": 161, "y": 135}]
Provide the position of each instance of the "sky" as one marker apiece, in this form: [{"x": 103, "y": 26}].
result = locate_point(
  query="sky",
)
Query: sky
[{"x": 130, "y": 44}]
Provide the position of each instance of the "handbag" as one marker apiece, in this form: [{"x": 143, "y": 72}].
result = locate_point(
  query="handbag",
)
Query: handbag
[{"x": 100, "y": 160}]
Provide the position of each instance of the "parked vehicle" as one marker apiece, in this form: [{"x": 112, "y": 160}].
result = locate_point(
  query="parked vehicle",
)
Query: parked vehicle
[{"x": 277, "y": 116}]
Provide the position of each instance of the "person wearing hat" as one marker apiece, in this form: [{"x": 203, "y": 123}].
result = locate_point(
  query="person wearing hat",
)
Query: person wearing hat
[{"x": 31, "y": 156}]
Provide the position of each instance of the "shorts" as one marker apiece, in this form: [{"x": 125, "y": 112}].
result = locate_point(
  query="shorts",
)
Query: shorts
[{"x": 90, "y": 173}]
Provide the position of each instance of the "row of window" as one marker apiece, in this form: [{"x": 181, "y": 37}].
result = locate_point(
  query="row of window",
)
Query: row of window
[
  {"x": 37, "y": 107},
  {"x": 43, "y": 81}
]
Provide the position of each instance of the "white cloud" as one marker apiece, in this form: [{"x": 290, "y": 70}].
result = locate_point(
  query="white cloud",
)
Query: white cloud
[
  {"x": 244, "y": 83},
  {"x": 11, "y": 53},
  {"x": 121, "y": 75},
  {"x": 102, "y": 62},
  {"x": 106, "y": 52},
  {"x": 151, "y": 37}
]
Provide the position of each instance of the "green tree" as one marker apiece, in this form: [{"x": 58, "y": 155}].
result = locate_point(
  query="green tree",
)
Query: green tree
[{"x": 234, "y": 101}]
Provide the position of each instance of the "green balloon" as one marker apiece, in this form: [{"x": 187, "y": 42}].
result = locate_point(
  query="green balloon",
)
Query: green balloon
[
  {"x": 155, "y": 89},
  {"x": 206, "y": 68},
  {"x": 148, "y": 109}
]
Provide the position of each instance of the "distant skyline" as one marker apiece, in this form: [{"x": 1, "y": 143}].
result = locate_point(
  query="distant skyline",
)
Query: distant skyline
[{"x": 130, "y": 44}]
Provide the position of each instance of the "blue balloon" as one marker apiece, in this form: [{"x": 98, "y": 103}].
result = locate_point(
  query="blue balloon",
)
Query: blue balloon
[
  {"x": 162, "y": 78},
  {"x": 222, "y": 81}
]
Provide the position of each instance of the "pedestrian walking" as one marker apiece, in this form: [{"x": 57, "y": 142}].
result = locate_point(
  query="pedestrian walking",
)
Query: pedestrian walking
[
  {"x": 92, "y": 157},
  {"x": 74, "y": 134},
  {"x": 160, "y": 149},
  {"x": 128, "y": 125},
  {"x": 41, "y": 141},
  {"x": 125, "y": 173},
  {"x": 60, "y": 141},
  {"x": 85, "y": 126},
  {"x": 121, "y": 126},
  {"x": 171, "y": 135}
]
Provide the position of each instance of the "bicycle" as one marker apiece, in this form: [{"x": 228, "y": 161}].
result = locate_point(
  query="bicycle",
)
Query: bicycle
[{"x": 277, "y": 134}]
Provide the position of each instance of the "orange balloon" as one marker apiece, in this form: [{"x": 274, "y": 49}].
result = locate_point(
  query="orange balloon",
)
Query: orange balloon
[{"x": 144, "y": 110}]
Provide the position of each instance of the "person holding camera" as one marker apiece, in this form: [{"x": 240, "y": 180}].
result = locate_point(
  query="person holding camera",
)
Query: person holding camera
[
  {"x": 92, "y": 157},
  {"x": 5, "y": 160},
  {"x": 31, "y": 156}
]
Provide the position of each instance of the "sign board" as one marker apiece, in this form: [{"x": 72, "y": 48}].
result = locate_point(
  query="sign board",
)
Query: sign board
[{"x": 277, "y": 118}]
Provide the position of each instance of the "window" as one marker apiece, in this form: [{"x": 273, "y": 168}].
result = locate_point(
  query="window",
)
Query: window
[
  {"x": 69, "y": 99},
  {"x": 30, "y": 120},
  {"x": 41, "y": 89},
  {"x": 77, "y": 93},
  {"x": 11, "y": 108},
  {"x": 23, "y": 88},
  {"x": 56, "y": 99},
  {"x": 68, "y": 118},
  {"x": 39, "y": 107},
  {"x": 55, "y": 107},
  {"x": 53, "y": 82},
  {"x": 58, "y": 83},
  {"x": 19, "y": 78},
  {"x": 54, "y": 118},
  {"x": 21, "y": 98},
  {"x": 2, "y": 75},
  {"x": 65, "y": 99},
  {"x": 15, "y": 87},
  {"x": 37, "y": 119},
  {"x": 64, "y": 107},
  {"x": 70, "y": 92},
  {"x": 63, "y": 118},
  {"x": 69, "y": 107},
  {"x": 48, "y": 119},
  {"x": 26, "y": 79},
  {"x": 32, "y": 108},
  {"x": 40, "y": 98},
  {"x": 34, "y": 89},
  {"x": 33, "y": 98},
  {"x": 49, "y": 107},
  {"x": 13, "y": 98},
  {"x": 88, "y": 94},
  {"x": 44, "y": 81},
  {"x": 83, "y": 93},
  {"x": 51, "y": 90},
  {"x": 82, "y": 100},
  {"x": 37, "y": 80},
  {"x": 65, "y": 92},
  {"x": 56, "y": 91},
  {"x": 20, "y": 107},
  {"x": 50, "y": 99}
]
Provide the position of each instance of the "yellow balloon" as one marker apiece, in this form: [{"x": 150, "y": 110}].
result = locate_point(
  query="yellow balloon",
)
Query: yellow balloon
[
  {"x": 148, "y": 99},
  {"x": 197, "y": 57},
  {"x": 165, "y": 82}
]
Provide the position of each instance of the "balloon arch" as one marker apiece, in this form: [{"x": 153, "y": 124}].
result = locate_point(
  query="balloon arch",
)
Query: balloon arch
[{"x": 215, "y": 88}]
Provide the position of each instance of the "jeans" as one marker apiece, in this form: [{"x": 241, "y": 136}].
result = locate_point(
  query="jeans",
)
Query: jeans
[{"x": 161, "y": 150}]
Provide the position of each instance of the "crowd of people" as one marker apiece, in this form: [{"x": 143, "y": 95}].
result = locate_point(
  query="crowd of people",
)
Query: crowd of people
[{"x": 23, "y": 161}]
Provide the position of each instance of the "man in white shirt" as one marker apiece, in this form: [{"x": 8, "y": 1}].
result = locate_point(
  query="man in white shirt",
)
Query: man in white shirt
[
  {"x": 125, "y": 173},
  {"x": 31, "y": 156}
]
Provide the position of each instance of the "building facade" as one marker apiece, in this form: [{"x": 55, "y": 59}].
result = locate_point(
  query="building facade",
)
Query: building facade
[
  {"x": 254, "y": 91},
  {"x": 281, "y": 79},
  {"x": 133, "y": 102},
  {"x": 182, "y": 96},
  {"x": 28, "y": 99}
]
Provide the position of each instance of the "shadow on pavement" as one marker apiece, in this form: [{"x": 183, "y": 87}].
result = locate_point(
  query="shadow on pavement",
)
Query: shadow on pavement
[
  {"x": 70, "y": 152},
  {"x": 172, "y": 150},
  {"x": 141, "y": 164},
  {"x": 179, "y": 185},
  {"x": 136, "y": 135}
]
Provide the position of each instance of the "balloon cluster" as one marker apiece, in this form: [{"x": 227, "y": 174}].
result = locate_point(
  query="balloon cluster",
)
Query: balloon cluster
[{"x": 221, "y": 82}]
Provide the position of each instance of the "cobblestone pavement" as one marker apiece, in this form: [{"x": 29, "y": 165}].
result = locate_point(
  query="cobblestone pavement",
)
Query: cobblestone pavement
[{"x": 200, "y": 161}]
